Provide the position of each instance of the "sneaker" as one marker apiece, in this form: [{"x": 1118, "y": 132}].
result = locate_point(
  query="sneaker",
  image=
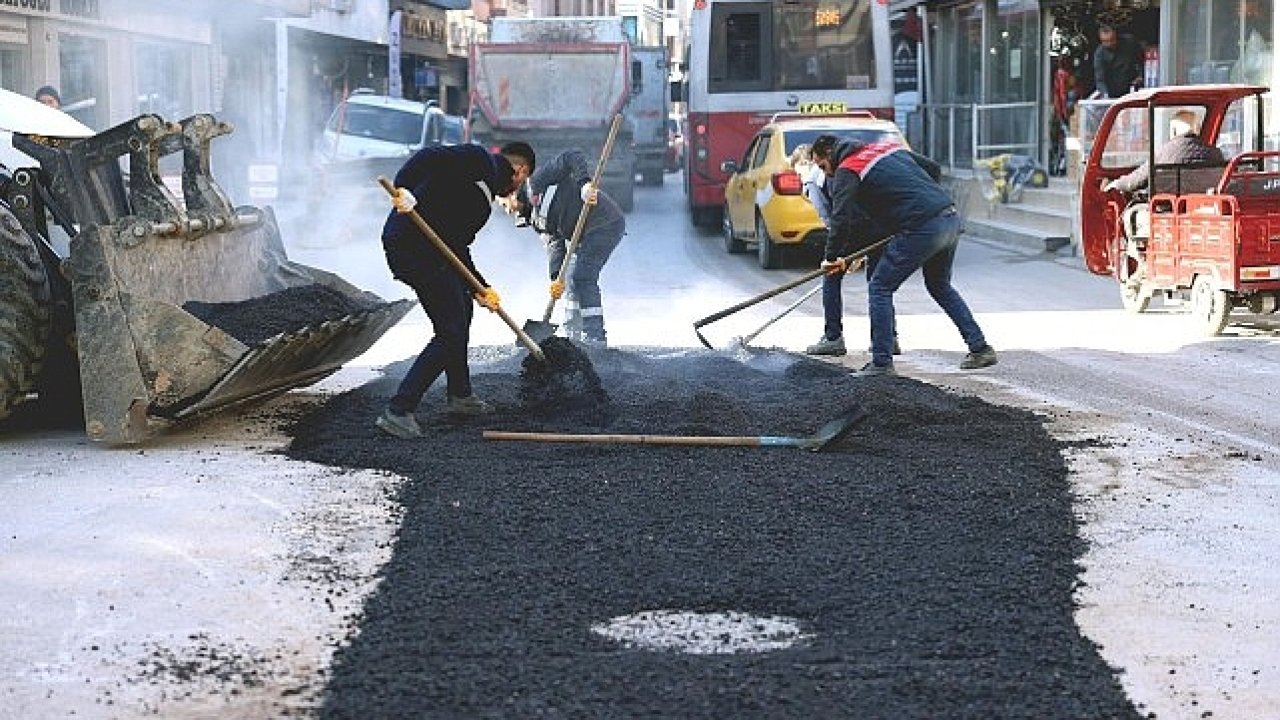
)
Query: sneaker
[
  {"x": 985, "y": 357},
  {"x": 402, "y": 426},
  {"x": 469, "y": 405},
  {"x": 827, "y": 347},
  {"x": 873, "y": 370}
]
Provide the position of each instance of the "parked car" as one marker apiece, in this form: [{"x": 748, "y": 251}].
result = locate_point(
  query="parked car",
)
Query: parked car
[
  {"x": 379, "y": 132},
  {"x": 674, "y": 159},
  {"x": 764, "y": 203}
]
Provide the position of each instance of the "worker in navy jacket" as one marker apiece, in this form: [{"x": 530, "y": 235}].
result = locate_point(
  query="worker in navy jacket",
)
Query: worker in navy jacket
[
  {"x": 883, "y": 187},
  {"x": 452, "y": 188}
]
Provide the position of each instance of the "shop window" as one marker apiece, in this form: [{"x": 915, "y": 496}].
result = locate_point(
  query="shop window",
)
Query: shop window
[
  {"x": 163, "y": 77},
  {"x": 1221, "y": 41},
  {"x": 82, "y": 64},
  {"x": 12, "y": 70}
]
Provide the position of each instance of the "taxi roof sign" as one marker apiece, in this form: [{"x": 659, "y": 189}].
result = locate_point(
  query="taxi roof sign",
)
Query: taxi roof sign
[{"x": 805, "y": 115}]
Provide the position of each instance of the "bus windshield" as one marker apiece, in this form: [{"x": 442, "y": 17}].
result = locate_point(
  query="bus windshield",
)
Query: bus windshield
[{"x": 803, "y": 45}]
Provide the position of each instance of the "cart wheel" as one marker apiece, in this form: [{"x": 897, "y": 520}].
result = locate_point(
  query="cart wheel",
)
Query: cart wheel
[
  {"x": 1209, "y": 305},
  {"x": 1135, "y": 301}
]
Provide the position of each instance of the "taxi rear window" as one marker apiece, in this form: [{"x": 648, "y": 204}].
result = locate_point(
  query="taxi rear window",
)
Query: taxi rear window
[{"x": 865, "y": 135}]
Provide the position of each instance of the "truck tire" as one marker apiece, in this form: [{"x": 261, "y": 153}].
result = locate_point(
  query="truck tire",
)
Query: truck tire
[
  {"x": 25, "y": 313},
  {"x": 626, "y": 197}
]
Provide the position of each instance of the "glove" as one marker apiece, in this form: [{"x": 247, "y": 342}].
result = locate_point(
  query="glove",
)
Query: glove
[
  {"x": 403, "y": 201},
  {"x": 557, "y": 289},
  {"x": 590, "y": 194},
  {"x": 489, "y": 299},
  {"x": 834, "y": 267}
]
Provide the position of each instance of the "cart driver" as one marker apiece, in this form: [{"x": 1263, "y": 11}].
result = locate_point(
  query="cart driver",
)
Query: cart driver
[{"x": 1184, "y": 147}]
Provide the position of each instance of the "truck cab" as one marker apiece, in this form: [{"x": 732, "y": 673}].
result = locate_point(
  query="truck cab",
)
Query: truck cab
[{"x": 1205, "y": 234}]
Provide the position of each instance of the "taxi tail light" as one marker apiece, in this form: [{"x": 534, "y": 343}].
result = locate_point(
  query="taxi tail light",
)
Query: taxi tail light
[{"x": 786, "y": 182}]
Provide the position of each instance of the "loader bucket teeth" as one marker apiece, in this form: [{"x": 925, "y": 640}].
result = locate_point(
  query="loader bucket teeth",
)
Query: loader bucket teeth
[{"x": 154, "y": 277}]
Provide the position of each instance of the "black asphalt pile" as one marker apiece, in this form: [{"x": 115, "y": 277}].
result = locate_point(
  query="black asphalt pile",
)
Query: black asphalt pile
[
  {"x": 563, "y": 386},
  {"x": 259, "y": 319},
  {"x": 929, "y": 557}
]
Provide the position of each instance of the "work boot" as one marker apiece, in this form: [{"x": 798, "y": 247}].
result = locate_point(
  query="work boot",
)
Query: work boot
[
  {"x": 983, "y": 357},
  {"x": 827, "y": 347},
  {"x": 400, "y": 425},
  {"x": 873, "y": 370},
  {"x": 469, "y": 405}
]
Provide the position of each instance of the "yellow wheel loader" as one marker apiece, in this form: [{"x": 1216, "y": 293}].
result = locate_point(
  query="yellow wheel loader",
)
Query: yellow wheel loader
[{"x": 166, "y": 307}]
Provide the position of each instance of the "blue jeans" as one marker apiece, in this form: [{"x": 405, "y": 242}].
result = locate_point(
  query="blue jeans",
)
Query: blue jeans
[
  {"x": 446, "y": 298},
  {"x": 832, "y": 307},
  {"x": 931, "y": 247}
]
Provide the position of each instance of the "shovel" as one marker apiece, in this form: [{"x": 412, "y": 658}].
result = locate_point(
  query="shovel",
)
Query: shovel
[
  {"x": 744, "y": 342},
  {"x": 822, "y": 439},
  {"x": 542, "y": 329},
  {"x": 463, "y": 271},
  {"x": 781, "y": 289}
]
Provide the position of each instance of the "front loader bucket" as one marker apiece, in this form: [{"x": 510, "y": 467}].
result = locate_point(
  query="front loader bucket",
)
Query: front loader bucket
[
  {"x": 147, "y": 322},
  {"x": 185, "y": 307}
]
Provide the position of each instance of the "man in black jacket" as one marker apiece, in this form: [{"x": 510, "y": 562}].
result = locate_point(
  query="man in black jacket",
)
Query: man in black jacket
[
  {"x": 883, "y": 185},
  {"x": 1184, "y": 147},
  {"x": 1117, "y": 63},
  {"x": 453, "y": 188},
  {"x": 556, "y": 194}
]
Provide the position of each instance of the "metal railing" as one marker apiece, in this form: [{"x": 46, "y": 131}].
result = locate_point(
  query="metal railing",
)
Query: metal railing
[{"x": 957, "y": 134}]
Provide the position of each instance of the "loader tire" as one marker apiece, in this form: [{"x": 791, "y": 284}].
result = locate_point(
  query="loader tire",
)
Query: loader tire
[{"x": 25, "y": 313}]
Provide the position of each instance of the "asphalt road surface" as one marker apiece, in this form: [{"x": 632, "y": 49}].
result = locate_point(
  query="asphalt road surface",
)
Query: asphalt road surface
[{"x": 208, "y": 574}]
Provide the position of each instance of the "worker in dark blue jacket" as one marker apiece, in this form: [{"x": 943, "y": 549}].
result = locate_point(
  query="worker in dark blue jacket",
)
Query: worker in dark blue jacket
[
  {"x": 556, "y": 194},
  {"x": 452, "y": 188},
  {"x": 884, "y": 187}
]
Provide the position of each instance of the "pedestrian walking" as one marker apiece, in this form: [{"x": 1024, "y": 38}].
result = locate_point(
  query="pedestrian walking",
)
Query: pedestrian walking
[
  {"x": 555, "y": 196},
  {"x": 452, "y": 187},
  {"x": 884, "y": 187}
]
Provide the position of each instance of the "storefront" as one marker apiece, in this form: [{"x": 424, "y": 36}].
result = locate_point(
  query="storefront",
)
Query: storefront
[
  {"x": 983, "y": 79},
  {"x": 109, "y": 59},
  {"x": 423, "y": 51}
]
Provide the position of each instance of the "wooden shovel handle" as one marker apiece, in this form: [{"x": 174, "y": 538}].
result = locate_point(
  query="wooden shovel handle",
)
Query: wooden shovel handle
[{"x": 706, "y": 440}]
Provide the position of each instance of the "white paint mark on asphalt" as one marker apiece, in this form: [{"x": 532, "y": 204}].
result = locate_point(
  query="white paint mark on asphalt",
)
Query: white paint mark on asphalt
[{"x": 720, "y": 633}]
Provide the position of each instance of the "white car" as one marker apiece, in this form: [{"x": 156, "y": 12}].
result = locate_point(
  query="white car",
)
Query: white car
[
  {"x": 367, "y": 127},
  {"x": 19, "y": 113}
]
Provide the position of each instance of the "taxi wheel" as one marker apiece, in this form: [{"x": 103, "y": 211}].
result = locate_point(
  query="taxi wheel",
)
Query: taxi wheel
[
  {"x": 770, "y": 253},
  {"x": 732, "y": 245}
]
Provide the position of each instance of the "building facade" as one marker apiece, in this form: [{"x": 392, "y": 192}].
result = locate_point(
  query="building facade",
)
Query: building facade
[{"x": 997, "y": 76}]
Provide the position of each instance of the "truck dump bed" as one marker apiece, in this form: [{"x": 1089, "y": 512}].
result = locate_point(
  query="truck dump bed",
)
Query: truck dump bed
[
  {"x": 556, "y": 97},
  {"x": 520, "y": 86}
]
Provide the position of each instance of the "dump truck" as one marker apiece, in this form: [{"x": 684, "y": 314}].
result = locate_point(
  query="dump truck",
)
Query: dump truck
[
  {"x": 556, "y": 83},
  {"x": 166, "y": 305},
  {"x": 648, "y": 110}
]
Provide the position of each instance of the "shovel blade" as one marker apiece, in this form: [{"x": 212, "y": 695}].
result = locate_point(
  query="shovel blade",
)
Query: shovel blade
[
  {"x": 539, "y": 330},
  {"x": 834, "y": 430}
]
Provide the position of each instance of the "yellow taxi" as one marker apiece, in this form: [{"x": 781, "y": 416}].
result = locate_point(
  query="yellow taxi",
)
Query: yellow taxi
[{"x": 764, "y": 204}]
